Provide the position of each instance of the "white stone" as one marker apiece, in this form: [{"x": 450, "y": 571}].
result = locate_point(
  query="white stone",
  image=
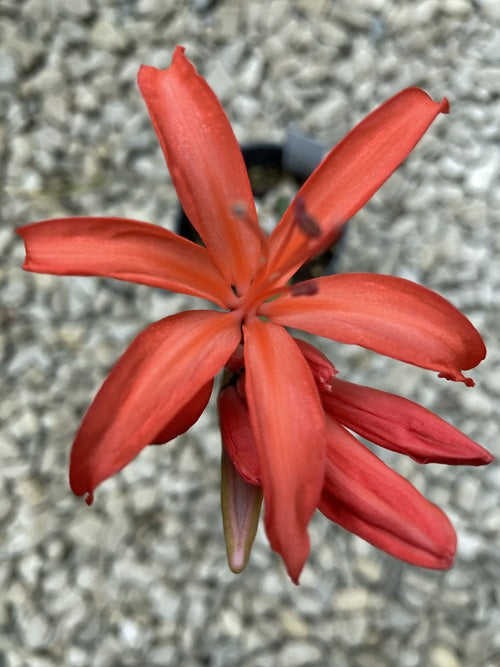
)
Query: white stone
[
  {"x": 330, "y": 113},
  {"x": 457, "y": 7},
  {"x": 443, "y": 656},
  {"x": 163, "y": 655},
  {"x": 231, "y": 623},
  {"x": 491, "y": 8},
  {"x": 351, "y": 599},
  {"x": 29, "y": 568},
  {"x": 130, "y": 632},
  {"x": 8, "y": 69},
  {"x": 77, "y": 657},
  {"x": 293, "y": 624},
  {"x": 88, "y": 530},
  {"x": 106, "y": 36},
  {"x": 297, "y": 653},
  {"x": 245, "y": 107},
  {"x": 470, "y": 545},
  {"x": 251, "y": 74},
  {"x": 482, "y": 177},
  {"x": 221, "y": 82},
  {"x": 467, "y": 492},
  {"x": 144, "y": 499},
  {"x": 491, "y": 522},
  {"x": 35, "y": 629}
]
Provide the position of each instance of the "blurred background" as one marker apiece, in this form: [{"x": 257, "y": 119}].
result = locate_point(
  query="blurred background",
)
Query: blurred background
[{"x": 140, "y": 578}]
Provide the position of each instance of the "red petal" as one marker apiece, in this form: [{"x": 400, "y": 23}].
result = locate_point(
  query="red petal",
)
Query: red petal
[
  {"x": 321, "y": 367},
  {"x": 237, "y": 434},
  {"x": 369, "y": 499},
  {"x": 352, "y": 172},
  {"x": 186, "y": 417},
  {"x": 288, "y": 426},
  {"x": 163, "y": 369},
  {"x": 240, "y": 505},
  {"x": 206, "y": 165},
  {"x": 389, "y": 315},
  {"x": 401, "y": 425},
  {"x": 126, "y": 250}
]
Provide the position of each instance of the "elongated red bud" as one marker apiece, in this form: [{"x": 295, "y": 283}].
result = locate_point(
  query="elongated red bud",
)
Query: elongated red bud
[{"x": 322, "y": 368}]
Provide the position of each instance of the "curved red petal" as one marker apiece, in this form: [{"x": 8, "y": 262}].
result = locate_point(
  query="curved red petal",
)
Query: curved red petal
[
  {"x": 321, "y": 367},
  {"x": 123, "y": 249},
  {"x": 240, "y": 505},
  {"x": 352, "y": 172},
  {"x": 237, "y": 434},
  {"x": 162, "y": 369},
  {"x": 389, "y": 315},
  {"x": 186, "y": 417},
  {"x": 366, "y": 497},
  {"x": 206, "y": 165},
  {"x": 288, "y": 426},
  {"x": 401, "y": 425}
]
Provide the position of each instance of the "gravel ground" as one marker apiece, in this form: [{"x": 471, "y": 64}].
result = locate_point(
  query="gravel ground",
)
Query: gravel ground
[{"x": 140, "y": 579}]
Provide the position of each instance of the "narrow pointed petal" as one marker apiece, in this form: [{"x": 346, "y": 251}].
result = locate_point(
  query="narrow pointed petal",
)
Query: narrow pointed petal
[
  {"x": 366, "y": 497},
  {"x": 206, "y": 165},
  {"x": 124, "y": 249},
  {"x": 386, "y": 314},
  {"x": 186, "y": 417},
  {"x": 237, "y": 434},
  {"x": 240, "y": 505},
  {"x": 353, "y": 171},
  {"x": 401, "y": 425},
  {"x": 321, "y": 367},
  {"x": 288, "y": 425},
  {"x": 163, "y": 368}
]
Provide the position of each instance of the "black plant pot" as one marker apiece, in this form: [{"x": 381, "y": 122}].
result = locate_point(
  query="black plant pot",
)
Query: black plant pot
[{"x": 268, "y": 164}]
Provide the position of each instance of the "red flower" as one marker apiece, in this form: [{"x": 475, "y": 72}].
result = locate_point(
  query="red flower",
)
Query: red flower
[{"x": 283, "y": 413}]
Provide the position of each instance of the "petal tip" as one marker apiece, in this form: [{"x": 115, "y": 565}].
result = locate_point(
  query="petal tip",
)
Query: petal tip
[
  {"x": 179, "y": 52},
  {"x": 487, "y": 458},
  {"x": 447, "y": 561},
  {"x": 294, "y": 560},
  {"x": 295, "y": 572},
  {"x": 237, "y": 560},
  {"x": 445, "y": 105},
  {"x": 457, "y": 377},
  {"x": 147, "y": 70}
]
